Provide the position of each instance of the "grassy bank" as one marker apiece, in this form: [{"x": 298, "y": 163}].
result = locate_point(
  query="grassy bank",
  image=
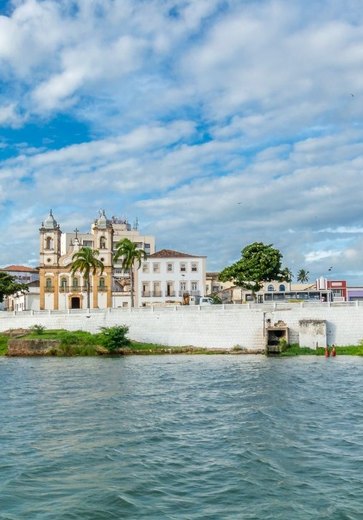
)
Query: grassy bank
[
  {"x": 295, "y": 350},
  {"x": 81, "y": 343}
]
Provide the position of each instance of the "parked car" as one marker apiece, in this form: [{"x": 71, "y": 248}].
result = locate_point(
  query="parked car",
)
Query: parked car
[{"x": 206, "y": 301}]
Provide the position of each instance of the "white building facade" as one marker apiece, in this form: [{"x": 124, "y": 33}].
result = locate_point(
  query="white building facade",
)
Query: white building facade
[{"x": 171, "y": 277}]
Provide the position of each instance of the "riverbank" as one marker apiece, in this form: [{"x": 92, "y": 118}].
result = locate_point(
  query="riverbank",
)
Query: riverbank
[{"x": 63, "y": 343}]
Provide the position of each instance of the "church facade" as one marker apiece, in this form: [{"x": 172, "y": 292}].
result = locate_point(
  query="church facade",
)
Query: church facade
[{"x": 59, "y": 289}]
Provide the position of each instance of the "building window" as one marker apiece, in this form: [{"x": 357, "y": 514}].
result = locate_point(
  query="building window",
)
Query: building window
[
  {"x": 194, "y": 267},
  {"x": 270, "y": 288},
  {"x": 170, "y": 289},
  {"x": 145, "y": 268},
  {"x": 102, "y": 243},
  {"x": 282, "y": 288},
  {"x": 194, "y": 286},
  {"x": 183, "y": 286},
  {"x": 64, "y": 283},
  {"x": 49, "y": 243},
  {"x": 156, "y": 267},
  {"x": 156, "y": 289},
  {"x": 87, "y": 243},
  {"x": 169, "y": 268},
  {"x": 48, "y": 283},
  {"x": 102, "y": 282},
  {"x": 183, "y": 267},
  {"x": 75, "y": 282}
]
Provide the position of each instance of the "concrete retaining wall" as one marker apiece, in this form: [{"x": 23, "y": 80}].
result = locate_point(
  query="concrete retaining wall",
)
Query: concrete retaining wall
[{"x": 213, "y": 327}]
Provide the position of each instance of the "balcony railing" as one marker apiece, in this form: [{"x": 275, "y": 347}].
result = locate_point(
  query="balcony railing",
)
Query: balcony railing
[
  {"x": 190, "y": 293},
  {"x": 73, "y": 288},
  {"x": 49, "y": 288}
]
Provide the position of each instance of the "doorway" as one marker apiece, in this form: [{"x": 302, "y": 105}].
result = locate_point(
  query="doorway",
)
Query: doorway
[{"x": 75, "y": 302}]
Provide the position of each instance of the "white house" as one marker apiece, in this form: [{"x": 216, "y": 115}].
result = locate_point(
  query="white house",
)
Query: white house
[{"x": 169, "y": 276}]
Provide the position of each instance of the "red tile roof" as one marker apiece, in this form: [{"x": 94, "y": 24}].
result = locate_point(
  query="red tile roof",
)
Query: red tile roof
[
  {"x": 21, "y": 268},
  {"x": 169, "y": 253}
]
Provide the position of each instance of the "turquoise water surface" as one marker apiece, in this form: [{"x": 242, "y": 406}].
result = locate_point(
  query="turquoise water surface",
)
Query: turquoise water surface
[{"x": 181, "y": 437}]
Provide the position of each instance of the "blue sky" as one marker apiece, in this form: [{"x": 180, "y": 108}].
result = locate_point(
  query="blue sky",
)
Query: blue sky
[{"x": 216, "y": 122}]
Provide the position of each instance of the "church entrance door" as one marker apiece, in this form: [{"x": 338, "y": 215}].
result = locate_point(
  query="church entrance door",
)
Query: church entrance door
[{"x": 75, "y": 303}]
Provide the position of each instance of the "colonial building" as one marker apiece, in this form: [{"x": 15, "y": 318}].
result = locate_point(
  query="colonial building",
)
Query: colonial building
[
  {"x": 60, "y": 289},
  {"x": 172, "y": 277},
  {"x": 22, "y": 273},
  {"x": 28, "y": 300}
]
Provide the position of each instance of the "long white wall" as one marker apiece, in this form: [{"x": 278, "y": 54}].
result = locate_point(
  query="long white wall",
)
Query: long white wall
[{"x": 210, "y": 326}]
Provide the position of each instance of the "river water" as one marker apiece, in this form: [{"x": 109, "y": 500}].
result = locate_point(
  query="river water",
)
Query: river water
[{"x": 181, "y": 437}]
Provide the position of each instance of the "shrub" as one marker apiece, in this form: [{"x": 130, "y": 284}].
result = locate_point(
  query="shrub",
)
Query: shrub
[
  {"x": 38, "y": 329},
  {"x": 114, "y": 338},
  {"x": 283, "y": 344}
]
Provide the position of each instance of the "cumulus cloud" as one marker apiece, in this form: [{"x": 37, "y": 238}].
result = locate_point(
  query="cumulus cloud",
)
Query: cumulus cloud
[{"x": 218, "y": 123}]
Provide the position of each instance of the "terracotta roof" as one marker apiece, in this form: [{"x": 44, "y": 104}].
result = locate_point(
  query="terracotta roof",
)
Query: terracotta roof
[
  {"x": 22, "y": 268},
  {"x": 169, "y": 253}
]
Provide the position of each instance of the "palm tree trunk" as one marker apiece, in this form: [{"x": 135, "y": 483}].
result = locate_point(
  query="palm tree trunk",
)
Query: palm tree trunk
[
  {"x": 132, "y": 286},
  {"x": 88, "y": 292}
]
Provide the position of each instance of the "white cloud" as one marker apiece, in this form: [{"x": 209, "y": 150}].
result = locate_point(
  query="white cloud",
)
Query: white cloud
[{"x": 217, "y": 121}]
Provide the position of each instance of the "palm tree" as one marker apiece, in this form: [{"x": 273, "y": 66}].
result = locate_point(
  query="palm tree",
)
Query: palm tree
[
  {"x": 303, "y": 276},
  {"x": 86, "y": 262},
  {"x": 131, "y": 256}
]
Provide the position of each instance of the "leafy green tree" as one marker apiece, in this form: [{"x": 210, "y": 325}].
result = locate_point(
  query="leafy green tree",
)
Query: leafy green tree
[
  {"x": 115, "y": 337},
  {"x": 303, "y": 276},
  {"x": 9, "y": 286},
  {"x": 131, "y": 257},
  {"x": 259, "y": 263},
  {"x": 86, "y": 262}
]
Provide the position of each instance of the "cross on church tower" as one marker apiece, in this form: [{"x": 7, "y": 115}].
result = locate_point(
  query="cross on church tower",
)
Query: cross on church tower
[{"x": 76, "y": 232}]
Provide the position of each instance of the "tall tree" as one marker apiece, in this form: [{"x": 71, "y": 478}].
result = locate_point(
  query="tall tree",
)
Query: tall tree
[
  {"x": 131, "y": 257},
  {"x": 259, "y": 263},
  {"x": 85, "y": 261},
  {"x": 303, "y": 276},
  {"x": 9, "y": 286}
]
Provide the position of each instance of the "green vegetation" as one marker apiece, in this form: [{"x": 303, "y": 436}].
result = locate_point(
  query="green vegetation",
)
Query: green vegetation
[
  {"x": 113, "y": 338},
  {"x": 259, "y": 263},
  {"x": 9, "y": 286},
  {"x": 38, "y": 329},
  {"x": 303, "y": 276},
  {"x": 3, "y": 344},
  {"x": 216, "y": 299},
  {"x": 295, "y": 350},
  {"x": 131, "y": 257},
  {"x": 86, "y": 262}
]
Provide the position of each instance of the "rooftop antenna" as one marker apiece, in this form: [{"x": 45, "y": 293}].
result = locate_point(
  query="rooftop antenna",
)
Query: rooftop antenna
[{"x": 136, "y": 224}]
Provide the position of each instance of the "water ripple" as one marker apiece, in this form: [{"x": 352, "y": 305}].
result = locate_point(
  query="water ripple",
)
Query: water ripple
[{"x": 184, "y": 437}]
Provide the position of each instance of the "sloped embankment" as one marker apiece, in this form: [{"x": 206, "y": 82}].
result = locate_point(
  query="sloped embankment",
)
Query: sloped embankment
[{"x": 32, "y": 347}]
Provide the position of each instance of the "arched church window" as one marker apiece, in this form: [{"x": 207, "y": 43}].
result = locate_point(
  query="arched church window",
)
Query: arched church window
[
  {"x": 64, "y": 283},
  {"x": 270, "y": 288},
  {"x": 75, "y": 282},
  {"x": 48, "y": 283},
  {"x": 102, "y": 282},
  {"x": 102, "y": 243},
  {"x": 49, "y": 243},
  {"x": 282, "y": 288}
]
